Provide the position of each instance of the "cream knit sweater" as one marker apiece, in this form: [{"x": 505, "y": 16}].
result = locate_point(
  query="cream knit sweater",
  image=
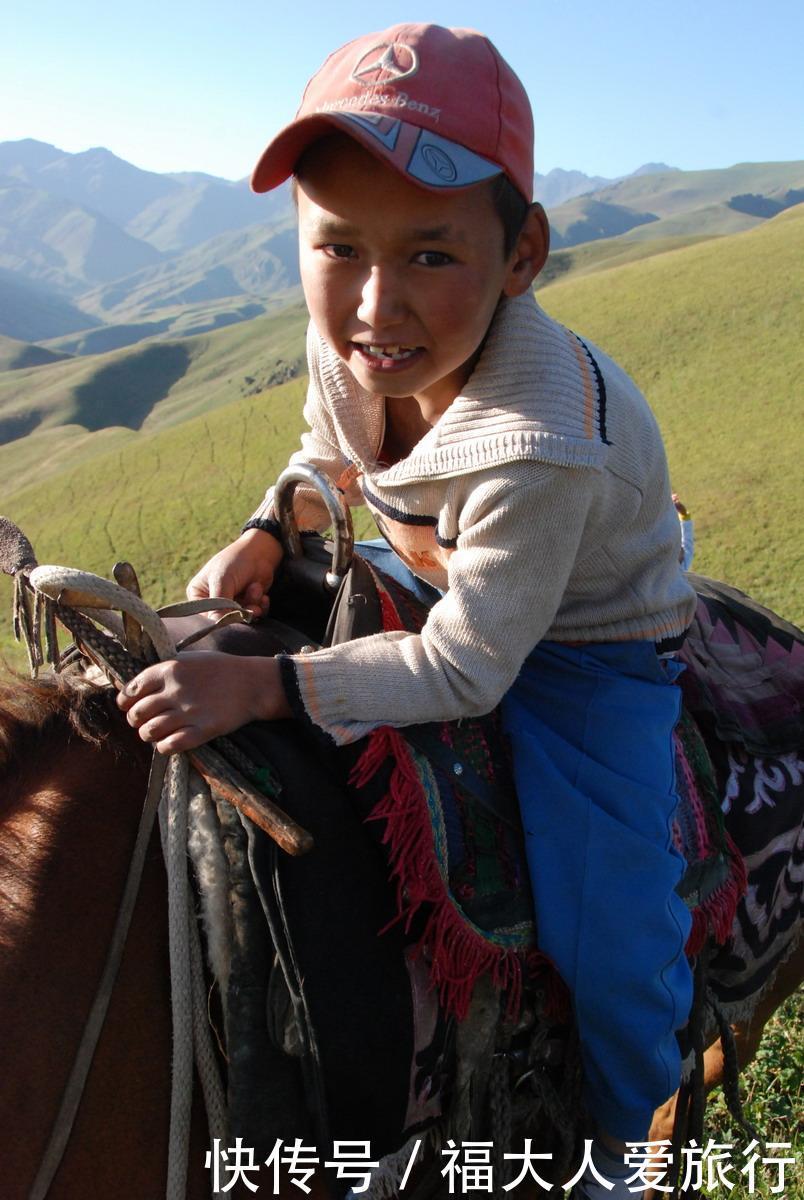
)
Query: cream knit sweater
[{"x": 539, "y": 503}]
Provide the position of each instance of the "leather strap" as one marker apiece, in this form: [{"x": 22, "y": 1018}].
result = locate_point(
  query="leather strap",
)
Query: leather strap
[{"x": 74, "y": 1089}]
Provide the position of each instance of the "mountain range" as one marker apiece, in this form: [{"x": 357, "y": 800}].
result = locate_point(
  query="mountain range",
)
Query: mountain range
[{"x": 96, "y": 253}]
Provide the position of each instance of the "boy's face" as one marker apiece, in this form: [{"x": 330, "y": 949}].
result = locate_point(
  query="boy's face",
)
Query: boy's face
[{"x": 401, "y": 282}]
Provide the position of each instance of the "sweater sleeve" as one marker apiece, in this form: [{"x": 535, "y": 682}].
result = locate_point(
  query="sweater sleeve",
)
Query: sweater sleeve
[
  {"x": 507, "y": 576},
  {"x": 319, "y": 446}
]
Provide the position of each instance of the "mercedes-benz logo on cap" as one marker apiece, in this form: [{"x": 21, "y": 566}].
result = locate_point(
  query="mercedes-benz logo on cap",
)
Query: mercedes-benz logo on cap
[
  {"x": 385, "y": 63},
  {"x": 440, "y": 163}
]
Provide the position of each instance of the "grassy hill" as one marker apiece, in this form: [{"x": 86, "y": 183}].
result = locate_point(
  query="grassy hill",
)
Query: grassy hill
[
  {"x": 711, "y": 331},
  {"x": 89, "y": 403},
  {"x": 680, "y": 203},
  {"x": 15, "y": 355},
  {"x": 713, "y": 334},
  {"x": 591, "y": 256},
  {"x": 668, "y": 193}
]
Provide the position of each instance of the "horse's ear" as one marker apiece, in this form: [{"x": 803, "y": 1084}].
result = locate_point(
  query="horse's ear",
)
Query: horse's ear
[{"x": 16, "y": 551}]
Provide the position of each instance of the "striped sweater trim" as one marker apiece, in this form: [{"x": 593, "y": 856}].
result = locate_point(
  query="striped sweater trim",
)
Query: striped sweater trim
[
  {"x": 404, "y": 518},
  {"x": 515, "y": 445},
  {"x": 396, "y": 514},
  {"x": 600, "y": 384},
  {"x": 289, "y": 672}
]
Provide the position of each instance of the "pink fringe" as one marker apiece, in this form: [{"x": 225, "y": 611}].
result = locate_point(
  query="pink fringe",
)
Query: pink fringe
[
  {"x": 458, "y": 954},
  {"x": 716, "y": 914}
]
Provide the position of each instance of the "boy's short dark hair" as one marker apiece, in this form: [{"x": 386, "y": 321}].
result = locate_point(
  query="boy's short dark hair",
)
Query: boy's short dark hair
[{"x": 511, "y": 207}]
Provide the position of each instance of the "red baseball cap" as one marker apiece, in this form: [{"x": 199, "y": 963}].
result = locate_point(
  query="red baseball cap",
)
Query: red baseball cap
[{"x": 440, "y": 105}]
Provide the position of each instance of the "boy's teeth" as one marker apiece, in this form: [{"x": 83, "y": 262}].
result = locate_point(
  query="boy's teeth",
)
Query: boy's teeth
[{"x": 395, "y": 352}]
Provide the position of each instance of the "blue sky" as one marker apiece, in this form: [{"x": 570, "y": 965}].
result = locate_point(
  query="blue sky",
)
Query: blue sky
[{"x": 202, "y": 86}]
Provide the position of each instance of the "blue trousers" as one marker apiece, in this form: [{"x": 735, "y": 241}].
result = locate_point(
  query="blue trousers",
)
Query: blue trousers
[
  {"x": 591, "y": 733},
  {"x": 590, "y": 728}
]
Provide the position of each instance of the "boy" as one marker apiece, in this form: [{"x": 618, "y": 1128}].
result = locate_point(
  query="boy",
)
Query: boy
[{"x": 519, "y": 472}]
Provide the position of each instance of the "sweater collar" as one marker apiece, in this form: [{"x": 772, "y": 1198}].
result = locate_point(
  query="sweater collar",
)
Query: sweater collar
[{"x": 535, "y": 393}]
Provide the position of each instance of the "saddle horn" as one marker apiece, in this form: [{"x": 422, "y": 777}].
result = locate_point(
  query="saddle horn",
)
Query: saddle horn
[{"x": 342, "y": 532}]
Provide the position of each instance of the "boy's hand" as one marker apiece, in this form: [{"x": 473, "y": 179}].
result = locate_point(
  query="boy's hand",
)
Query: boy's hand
[
  {"x": 179, "y": 704},
  {"x": 242, "y": 571},
  {"x": 680, "y": 507}
]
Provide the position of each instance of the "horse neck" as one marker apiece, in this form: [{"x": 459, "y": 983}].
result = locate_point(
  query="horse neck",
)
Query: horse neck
[{"x": 68, "y": 825}]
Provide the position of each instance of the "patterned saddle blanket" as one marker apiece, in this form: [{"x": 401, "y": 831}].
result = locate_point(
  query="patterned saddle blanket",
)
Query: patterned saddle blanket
[{"x": 455, "y": 846}]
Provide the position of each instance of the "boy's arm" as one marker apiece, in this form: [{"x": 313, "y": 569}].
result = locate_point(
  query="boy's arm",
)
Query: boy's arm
[{"x": 507, "y": 577}]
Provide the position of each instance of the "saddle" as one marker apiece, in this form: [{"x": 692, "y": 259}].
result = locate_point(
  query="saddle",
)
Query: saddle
[{"x": 437, "y": 983}]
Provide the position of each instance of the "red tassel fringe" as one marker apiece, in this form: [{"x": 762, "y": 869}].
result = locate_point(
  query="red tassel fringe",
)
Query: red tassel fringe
[
  {"x": 458, "y": 954},
  {"x": 716, "y": 914},
  {"x": 390, "y": 617}
]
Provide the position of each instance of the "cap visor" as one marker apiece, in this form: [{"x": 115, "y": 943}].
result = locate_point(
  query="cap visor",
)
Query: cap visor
[{"x": 430, "y": 161}]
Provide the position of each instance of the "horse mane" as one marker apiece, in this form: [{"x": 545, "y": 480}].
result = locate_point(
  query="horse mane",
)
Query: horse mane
[{"x": 31, "y": 707}]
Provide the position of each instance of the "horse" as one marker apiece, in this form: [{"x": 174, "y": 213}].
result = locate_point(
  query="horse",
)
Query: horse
[{"x": 73, "y": 776}]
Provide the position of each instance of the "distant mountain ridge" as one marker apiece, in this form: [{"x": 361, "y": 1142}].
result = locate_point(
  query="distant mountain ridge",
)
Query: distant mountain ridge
[
  {"x": 46, "y": 238},
  {"x": 159, "y": 209},
  {"x": 96, "y": 253},
  {"x": 558, "y": 186}
]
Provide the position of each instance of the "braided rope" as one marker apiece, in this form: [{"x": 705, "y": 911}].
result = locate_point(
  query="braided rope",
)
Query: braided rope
[
  {"x": 499, "y": 1107},
  {"x": 731, "y": 1070},
  {"x": 64, "y": 588},
  {"x": 173, "y": 819}
]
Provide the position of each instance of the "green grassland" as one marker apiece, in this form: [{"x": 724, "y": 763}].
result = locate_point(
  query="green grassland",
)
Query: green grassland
[
  {"x": 89, "y": 405},
  {"x": 713, "y": 334},
  {"x": 606, "y": 253},
  {"x": 164, "y": 500}
]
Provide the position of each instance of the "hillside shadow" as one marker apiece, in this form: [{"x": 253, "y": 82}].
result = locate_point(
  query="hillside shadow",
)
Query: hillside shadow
[
  {"x": 756, "y": 205},
  {"x": 125, "y": 392},
  {"x": 600, "y": 220},
  {"x": 18, "y": 425},
  {"x": 31, "y": 355}
]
